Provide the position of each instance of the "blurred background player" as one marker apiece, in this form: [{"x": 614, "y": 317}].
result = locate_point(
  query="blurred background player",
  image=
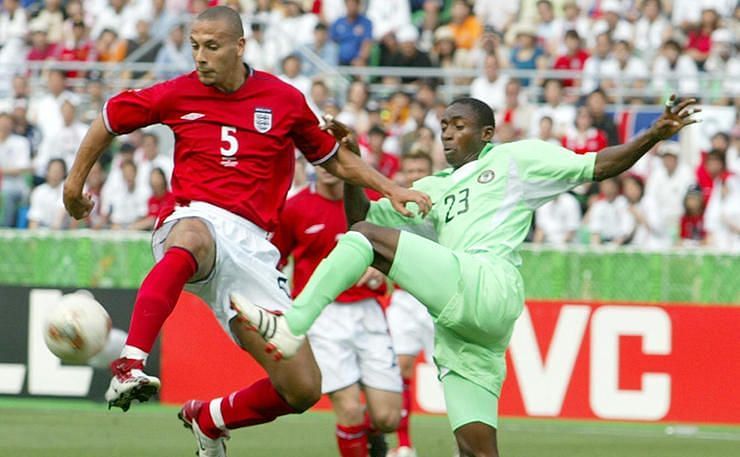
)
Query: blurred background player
[
  {"x": 350, "y": 340},
  {"x": 226, "y": 202},
  {"x": 410, "y": 324}
]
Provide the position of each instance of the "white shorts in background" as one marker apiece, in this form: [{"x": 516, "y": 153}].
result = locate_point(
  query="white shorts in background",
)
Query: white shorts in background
[
  {"x": 245, "y": 262},
  {"x": 351, "y": 344},
  {"x": 412, "y": 328}
]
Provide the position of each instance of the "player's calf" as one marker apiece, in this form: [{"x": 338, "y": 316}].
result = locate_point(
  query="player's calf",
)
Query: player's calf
[{"x": 130, "y": 383}]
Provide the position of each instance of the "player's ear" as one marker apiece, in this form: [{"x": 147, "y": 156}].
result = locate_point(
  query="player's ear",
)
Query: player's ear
[
  {"x": 241, "y": 44},
  {"x": 486, "y": 133}
]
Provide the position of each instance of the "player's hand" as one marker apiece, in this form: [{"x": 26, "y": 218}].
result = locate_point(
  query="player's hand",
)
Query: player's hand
[
  {"x": 675, "y": 117},
  {"x": 372, "y": 278},
  {"x": 343, "y": 134},
  {"x": 78, "y": 205},
  {"x": 399, "y": 196}
]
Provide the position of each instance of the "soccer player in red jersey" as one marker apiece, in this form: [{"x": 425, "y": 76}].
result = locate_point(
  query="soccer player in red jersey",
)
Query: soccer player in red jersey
[
  {"x": 350, "y": 340},
  {"x": 235, "y": 132}
]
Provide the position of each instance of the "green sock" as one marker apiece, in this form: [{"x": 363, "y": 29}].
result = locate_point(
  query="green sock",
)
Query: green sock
[{"x": 339, "y": 271}]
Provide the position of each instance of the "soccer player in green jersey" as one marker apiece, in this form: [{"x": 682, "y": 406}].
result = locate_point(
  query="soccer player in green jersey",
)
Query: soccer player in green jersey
[{"x": 468, "y": 277}]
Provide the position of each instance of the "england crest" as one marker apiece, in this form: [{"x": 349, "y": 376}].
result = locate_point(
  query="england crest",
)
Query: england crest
[{"x": 262, "y": 119}]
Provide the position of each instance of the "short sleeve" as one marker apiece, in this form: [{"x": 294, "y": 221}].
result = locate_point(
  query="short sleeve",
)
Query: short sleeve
[
  {"x": 546, "y": 170},
  {"x": 133, "y": 109},
  {"x": 315, "y": 144}
]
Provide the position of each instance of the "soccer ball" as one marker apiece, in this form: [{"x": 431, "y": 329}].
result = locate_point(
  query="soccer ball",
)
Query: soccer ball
[{"x": 77, "y": 328}]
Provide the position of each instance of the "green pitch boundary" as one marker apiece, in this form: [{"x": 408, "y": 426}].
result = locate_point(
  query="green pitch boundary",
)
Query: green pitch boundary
[{"x": 728, "y": 432}]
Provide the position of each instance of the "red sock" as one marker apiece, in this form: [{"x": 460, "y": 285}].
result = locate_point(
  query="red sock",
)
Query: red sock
[
  {"x": 257, "y": 404},
  {"x": 158, "y": 295},
  {"x": 352, "y": 440},
  {"x": 403, "y": 426}
]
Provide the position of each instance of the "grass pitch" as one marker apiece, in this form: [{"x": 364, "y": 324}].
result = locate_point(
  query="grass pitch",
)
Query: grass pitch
[{"x": 66, "y": 428}]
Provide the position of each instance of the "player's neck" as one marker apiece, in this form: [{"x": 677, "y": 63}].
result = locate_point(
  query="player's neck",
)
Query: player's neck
[{"x": 235, "y": 82}]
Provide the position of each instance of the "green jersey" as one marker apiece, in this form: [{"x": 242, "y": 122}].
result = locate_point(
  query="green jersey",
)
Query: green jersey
[{"x": 486, "y": 206}]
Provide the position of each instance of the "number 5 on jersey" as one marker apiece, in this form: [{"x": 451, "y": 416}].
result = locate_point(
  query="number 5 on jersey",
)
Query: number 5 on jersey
[{"x": 228, "y": 136}]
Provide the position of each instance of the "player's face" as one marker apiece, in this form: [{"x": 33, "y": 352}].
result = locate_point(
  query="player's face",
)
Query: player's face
[
  {"x": 326, "y": 178},
  {"x": 217, "y": 52},
  {"x": 415, "y": 169},
  {"x": 462, "y": 137}
]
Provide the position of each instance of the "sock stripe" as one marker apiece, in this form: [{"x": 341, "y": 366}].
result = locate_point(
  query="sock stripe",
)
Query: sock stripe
[{"x": 214, "y": 407}]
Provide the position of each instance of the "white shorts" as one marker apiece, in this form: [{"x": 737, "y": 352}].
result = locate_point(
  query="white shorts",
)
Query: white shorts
[
  {"x": 411, "y": 325},
  {"x": 246, "y": 262},
  {"x": 351, "y": 344}
]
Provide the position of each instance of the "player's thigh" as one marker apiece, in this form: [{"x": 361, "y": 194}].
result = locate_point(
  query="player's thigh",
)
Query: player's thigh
[
  {"x": 384, "y": 408},
  {"x": 333, "y": 337},
  {"x": 427, "y": 270},
  {"x": 378, "y": 363},
  {"x": 468, "y": 402},
  {"x": 477, "y": 439},
  {"x": 194, "y": 235},
  {"x": 347, "y": 405}
]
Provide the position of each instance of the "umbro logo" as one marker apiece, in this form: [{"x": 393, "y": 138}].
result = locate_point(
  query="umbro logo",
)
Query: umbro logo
[
  {"x": 192, "y": 116},
  {"x": 316, "y": 228}
]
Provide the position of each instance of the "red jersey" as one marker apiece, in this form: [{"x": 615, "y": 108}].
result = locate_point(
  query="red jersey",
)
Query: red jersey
[
  {"x": 388, "y": 166},
  {"x": 235, "y": 150},
  {"x": 309, "y": 228},
  {"x": 575, "y": 62},
  {"x": 692, "y": 227},
  {"x": 592, "y": 141}
]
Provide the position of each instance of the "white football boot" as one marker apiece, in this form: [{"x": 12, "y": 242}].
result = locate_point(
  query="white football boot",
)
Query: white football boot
[
  {"x": 271, "y": 325},
  {"x": 130, "y": 383},
  {"x": 207, "y": 446}
]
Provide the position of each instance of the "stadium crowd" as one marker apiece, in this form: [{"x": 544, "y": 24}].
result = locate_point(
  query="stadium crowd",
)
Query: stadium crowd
[{"x": 641, "y": 50}]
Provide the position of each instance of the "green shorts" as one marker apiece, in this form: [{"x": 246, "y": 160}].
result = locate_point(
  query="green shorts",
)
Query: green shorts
[
  {"x": 474, "y": 300},
  {"x": 468, "y": 402}
]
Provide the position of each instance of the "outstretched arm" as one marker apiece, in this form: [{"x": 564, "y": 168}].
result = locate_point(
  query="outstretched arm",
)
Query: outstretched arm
[
  {"x": 95, "y": 142},
  {"x": 614, "y": 160}
]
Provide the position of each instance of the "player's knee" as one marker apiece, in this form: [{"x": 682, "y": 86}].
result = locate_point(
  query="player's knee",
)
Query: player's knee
[
  {"x": 351, "y": 412},
  {"x": 387, "y": 420},
  {"x": 303, "y": 395}
]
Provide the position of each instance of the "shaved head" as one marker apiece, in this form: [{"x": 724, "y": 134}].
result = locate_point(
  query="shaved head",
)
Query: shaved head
[{"x": 226, "y": 15}]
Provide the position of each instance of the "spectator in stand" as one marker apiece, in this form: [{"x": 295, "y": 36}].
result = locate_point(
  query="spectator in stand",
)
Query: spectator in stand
[
  {"x": 92, "y": 104},
  {"x": 77, "y": 47},
  {"x": 326, "y": 49},
  {"x": 141, "y": 50},
  {"x": 160, "y": 197},
  {"x": 46, "y": 109},
  {"x": 148, "y": 158},
  {"x": 651, "y": 30},
  {"x": 722, "y": 219},
  {"x": 526, "y": 54},
  {"x": 41, "y": 49},
  {"x": 291, "y": 74},
  {"x": 651, "y": 229},
  {"x": 118, "y": 15},
  {"x": 724, "y": 65},
  {"x": 686, "y": 14},
  {"x": 94, "y": 187},
  {"x": 63, "y": 143},
  {"x": 674, "y": 71},
  {"x": 609, "y": 218},
  {"x": 563, "y": 115},
  {"x": 296, "y": 27},
  {"x": 465, "y": 26},
  {"x": 319, "y": 97},
  {"x": 593, "y": 69},
  {"x": 596, "y": 104},
  {"x": 490, "y": 43},
  {"x": 711, "y": 173},
  {"x": 574, "y": 20},
  {"x": 387, "y": 164},
  {"x": 22, "y": 127},
  {"x": 127, "y": 206},
  {"x": 583, "y": 137},
  {"x": 700, "y": 39},
  {"x": 549, "y": 28},
  {"x": 354, "y": 113},
  {"x": 574, "y": 58},
  {"x": 47, "y": 209},
  {"x": 516, "y": 111},
  {"x": 557, "y": 221},
  {"x": 163, "y": 19},
  {"x": 72, "y": 13},
  {"x": 408, "y": 54},
  {"x": 15, "y": 165},
  {"x": 174, "y": 57},
  {"x": 491, "y": 86},
  {"x": 545, "y": 132},
  {"x": 445, "y": 53},
  {"x": 260, "y": 52},
  {"x": 108, "y": 48},
  {"x": 353, "y": 33},
  {"x": 496, "y": 13},
  {"x": 692, "y": 221},
  {"x": 13, "y": 30},
  {"x": 388, "y": 17},
  {"x": 612, "y": 22},
  {"x": 624, "y": 70},
  {"x": 50, "y": 19},
  {"x": 667, "y": 185}
]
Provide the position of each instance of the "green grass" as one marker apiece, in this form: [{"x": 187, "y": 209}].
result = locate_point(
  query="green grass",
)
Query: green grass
[{"x": 61, "y": 428}]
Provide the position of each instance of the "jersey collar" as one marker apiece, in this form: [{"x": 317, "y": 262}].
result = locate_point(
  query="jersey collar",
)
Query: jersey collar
[{"x": 449, "y": 171}]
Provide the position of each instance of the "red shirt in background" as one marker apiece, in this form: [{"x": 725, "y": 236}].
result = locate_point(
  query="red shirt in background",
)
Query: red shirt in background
[
  {"x": 309, "y": 228},
  {"x": 235, "y": 150},
  {"x": 692, "y": 227},
  {"x": 594, "y": 140},
  {"x": 575, "y": 62},
  {"x": 388, "y": 167}
]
